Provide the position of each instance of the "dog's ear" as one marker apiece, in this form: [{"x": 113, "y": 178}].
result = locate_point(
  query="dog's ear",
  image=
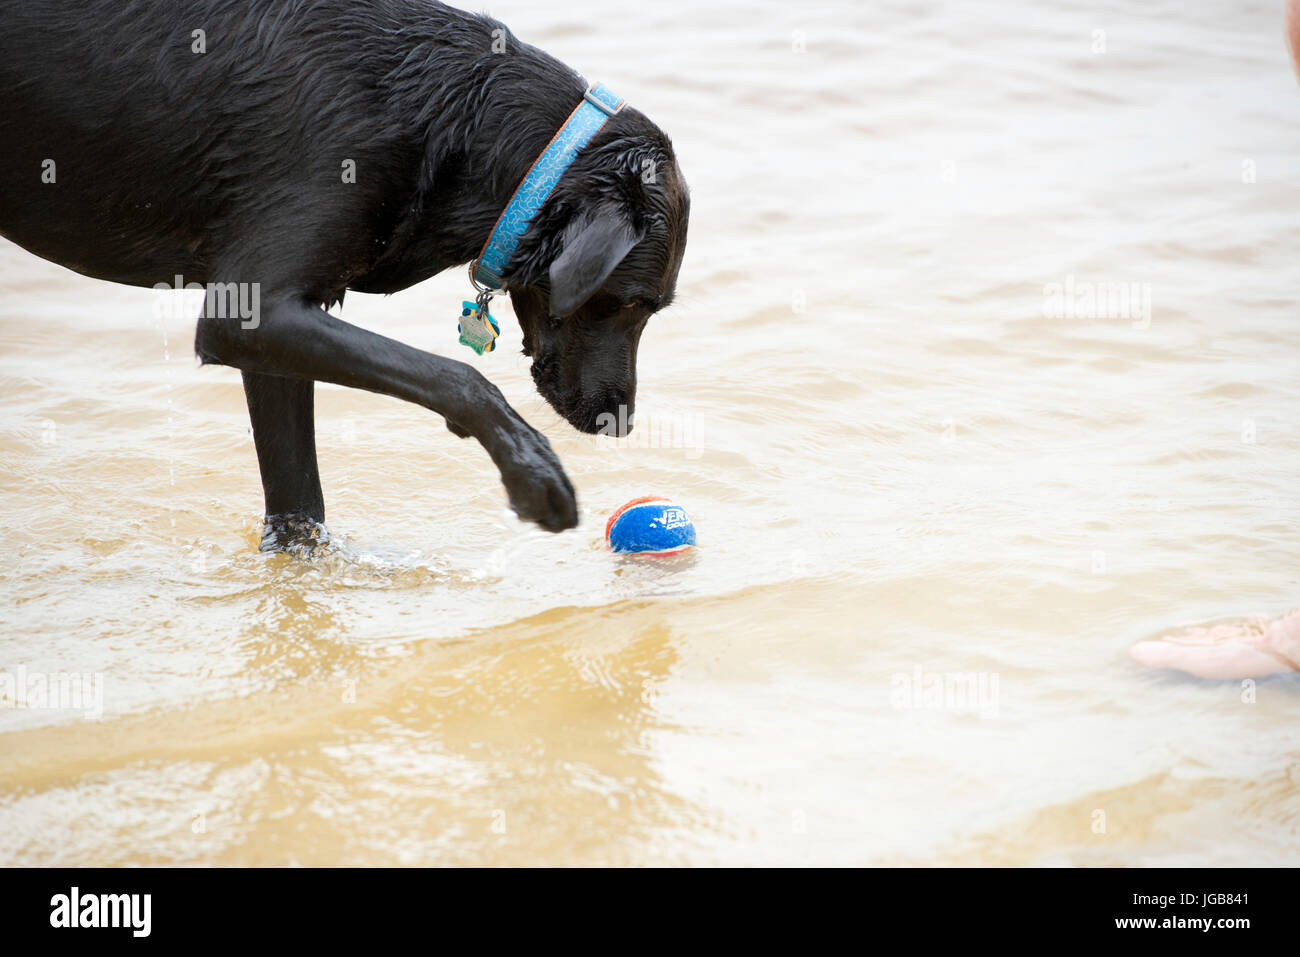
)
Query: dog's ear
[{"x": 593, "y": 245}]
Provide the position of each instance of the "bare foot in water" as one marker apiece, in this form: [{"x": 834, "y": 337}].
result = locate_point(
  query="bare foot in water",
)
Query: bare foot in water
[
  {"x": 1253, "y": 648},
  {"x": 1291, "y": 27}
]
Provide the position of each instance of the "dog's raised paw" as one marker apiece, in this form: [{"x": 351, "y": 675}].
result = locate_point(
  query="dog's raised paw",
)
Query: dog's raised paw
[{"x": 538, "y": 488}]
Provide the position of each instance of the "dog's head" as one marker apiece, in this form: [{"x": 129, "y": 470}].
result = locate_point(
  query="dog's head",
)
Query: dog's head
[{"x": 599, "y": 259}]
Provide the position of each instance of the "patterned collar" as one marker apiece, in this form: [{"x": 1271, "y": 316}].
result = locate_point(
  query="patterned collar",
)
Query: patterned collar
[{"x": 588, "y": 118}]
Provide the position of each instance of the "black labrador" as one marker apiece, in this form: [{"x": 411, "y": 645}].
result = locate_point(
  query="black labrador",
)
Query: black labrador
[{"x": 302, "y": 148}]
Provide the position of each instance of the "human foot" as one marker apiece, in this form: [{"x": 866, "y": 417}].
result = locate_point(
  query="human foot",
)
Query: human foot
[{"x": 1253, "y": 648}]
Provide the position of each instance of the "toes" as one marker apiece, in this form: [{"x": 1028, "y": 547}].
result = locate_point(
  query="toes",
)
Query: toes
[
  {"x": 549, "y": 503},
  {"x": 1229, "y": 659},
  {"x": 292, "y": 533},
  {"x": 562, "y": 511},
  {"x": 564, "y": 503},
  {"x": 538, "y": 489}
]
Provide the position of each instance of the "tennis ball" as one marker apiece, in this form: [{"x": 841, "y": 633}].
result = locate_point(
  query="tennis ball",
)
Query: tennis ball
[{"x": 650, "y": 525}]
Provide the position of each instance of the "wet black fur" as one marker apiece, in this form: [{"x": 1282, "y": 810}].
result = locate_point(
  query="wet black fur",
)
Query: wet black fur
[{"x": 226, "y": 166}]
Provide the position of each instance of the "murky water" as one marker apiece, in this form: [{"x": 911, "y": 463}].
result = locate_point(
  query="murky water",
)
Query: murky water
[{"x": 984, "y": 367}]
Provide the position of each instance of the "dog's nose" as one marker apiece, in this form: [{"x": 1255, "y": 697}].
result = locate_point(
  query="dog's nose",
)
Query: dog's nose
[
  {"x": 614, "y": 418},
  {"x": 625, "y": 415}
]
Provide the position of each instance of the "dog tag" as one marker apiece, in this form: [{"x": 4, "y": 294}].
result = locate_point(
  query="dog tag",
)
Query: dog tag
[{"x": 477, "y": 328}]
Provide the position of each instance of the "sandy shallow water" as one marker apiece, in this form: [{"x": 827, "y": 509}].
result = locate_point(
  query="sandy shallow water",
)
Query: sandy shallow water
[{"x": 906, "y": 464}]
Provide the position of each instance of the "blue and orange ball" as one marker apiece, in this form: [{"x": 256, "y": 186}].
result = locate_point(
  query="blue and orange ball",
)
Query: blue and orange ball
[{"x": 650, "y": 525}]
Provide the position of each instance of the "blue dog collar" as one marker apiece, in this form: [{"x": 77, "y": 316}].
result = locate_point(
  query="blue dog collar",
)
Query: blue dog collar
[{"x": 588, "y": 118}]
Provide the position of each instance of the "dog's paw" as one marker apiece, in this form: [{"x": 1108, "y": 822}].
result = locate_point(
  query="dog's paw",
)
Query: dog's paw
[
  {"x": 296, "y": 534},
  {"x": 535, "y": 482}
]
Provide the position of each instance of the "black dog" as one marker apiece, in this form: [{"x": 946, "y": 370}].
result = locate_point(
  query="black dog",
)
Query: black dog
[{"x": 141, "y": 140}]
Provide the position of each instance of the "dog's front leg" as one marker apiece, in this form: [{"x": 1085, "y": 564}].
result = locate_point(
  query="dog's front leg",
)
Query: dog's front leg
[
  {"x": 284, "y": 431},
  {"x": 294, "y": 337}
]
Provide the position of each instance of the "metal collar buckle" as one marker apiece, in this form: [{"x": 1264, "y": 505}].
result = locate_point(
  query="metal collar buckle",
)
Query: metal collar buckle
[{"x": 604, "y": 107}]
